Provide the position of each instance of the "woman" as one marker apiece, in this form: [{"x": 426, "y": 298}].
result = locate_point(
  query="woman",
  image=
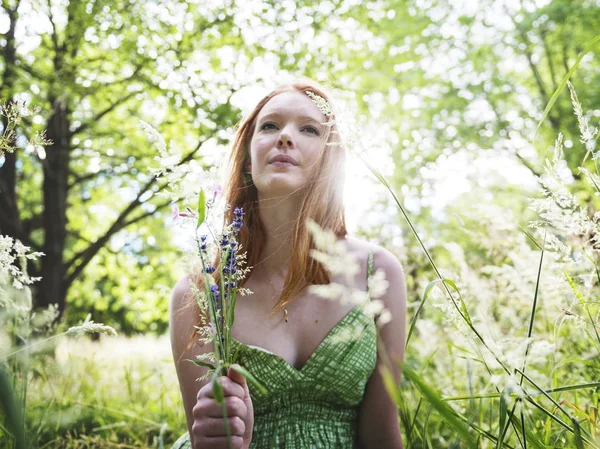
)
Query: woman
[{"x": 322, "y": 393}]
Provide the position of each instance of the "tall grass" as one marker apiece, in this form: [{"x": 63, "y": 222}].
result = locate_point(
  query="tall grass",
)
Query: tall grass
[
  {"x": 118, "y": 392},
  {"x": 513, "y": 359}
]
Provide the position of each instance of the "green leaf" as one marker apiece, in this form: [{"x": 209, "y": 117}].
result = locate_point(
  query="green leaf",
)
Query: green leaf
[
  {"x": 413, "y": 322},
  {"x": 201, "y": 208},
  {"x": 530, "y": 237},
  {"x": 563, "y": 82},
  {"x": 250, "y": 378},
  {"x": 463, "y": 305},
  {"x": 577, "y": 434},
  {"x": 578, "y": 294},
  {"x": 217, "y": 388},
  {"x": 446, "y": 412},
  {"x": 504, "y": 398},
  {"x": 390, "y": 384},
  {"x": 204, "y": 364}
]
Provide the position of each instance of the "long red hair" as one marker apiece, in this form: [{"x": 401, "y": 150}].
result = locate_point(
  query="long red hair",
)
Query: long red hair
[{"x": 322, "y": 201}]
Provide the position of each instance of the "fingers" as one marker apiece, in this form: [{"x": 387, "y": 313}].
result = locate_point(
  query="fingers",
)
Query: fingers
[
  {"x": 215, "y": 427},
  {"x": 207, "y": 407},
  {"x": 237, "y": 377},
  {"x": 210, "y": 442},
  {"x": 230, "y": 388}
]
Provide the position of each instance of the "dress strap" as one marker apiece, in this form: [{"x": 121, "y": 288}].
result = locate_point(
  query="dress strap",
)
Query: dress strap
[{"x": 369, "y": 265}]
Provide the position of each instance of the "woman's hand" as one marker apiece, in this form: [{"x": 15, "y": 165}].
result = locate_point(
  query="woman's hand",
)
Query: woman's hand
[{"x": 208, "y": 430}]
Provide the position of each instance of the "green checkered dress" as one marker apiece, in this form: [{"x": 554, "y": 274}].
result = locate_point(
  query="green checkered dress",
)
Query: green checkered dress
[{"x": 315, "y": 406}]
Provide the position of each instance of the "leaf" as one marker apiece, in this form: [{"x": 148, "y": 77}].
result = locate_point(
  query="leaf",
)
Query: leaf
[
  {"x": 563, "y": 82},
  {"x": 463, "y": 306},
  {"x": 577, "y": 434},
  {"x": 390, "y": 384},
  {"x": 249, "y": 377},
  {"x": 504, "y": 398},
  {"x": 413, "y": 322},
  {"x": 578, "y": 294},
  {"x": 204, "y": 364},
  {"x": 530, "y": 237},
  {"x": 201, "y": 208},
  {"x": 217, "y": 388},
  {"x": 446, "y": 412}
]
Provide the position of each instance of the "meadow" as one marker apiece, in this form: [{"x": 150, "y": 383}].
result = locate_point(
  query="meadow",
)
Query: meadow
[{"x": 483, "y": 174}]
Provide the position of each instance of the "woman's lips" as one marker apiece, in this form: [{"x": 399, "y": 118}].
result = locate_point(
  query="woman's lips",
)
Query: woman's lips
[{"x": 282, "y": 164}]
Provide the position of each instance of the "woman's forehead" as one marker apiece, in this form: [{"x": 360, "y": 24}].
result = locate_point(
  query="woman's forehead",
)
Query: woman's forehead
[{"x": 296, "y": 103}]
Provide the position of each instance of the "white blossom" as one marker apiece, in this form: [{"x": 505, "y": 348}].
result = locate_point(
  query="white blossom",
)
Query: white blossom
[{"x": 88, "y": 326}]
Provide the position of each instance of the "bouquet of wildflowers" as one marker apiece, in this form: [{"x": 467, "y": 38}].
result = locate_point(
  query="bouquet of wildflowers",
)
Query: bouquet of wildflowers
[{"x": 217, "y": 256}]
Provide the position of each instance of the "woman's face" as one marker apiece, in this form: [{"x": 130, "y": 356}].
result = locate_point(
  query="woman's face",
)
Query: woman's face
[{"x": 286, "y": 143}]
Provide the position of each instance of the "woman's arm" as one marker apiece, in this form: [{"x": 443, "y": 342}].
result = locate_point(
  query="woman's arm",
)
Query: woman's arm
[
  {"x": 378, "y": 426},
  {"x": 183, "y": 316}
]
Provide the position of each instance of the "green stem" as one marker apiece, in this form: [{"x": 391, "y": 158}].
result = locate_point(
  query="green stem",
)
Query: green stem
[{"x": 381, "y": 179}]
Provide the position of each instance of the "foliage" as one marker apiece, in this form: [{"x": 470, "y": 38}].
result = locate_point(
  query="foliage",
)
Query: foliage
[
  {"x": 456, "y": 87},
  {"x": 508, "y": 406}
]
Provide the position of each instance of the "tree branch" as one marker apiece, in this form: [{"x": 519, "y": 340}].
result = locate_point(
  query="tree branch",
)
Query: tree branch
[
  {"x": 78, "y": 236},
  {"x": 32, "y": 224},
  {"x": 527, "y": 164},
  {"x": 538, "y": 78},
  {"x": 88, "y": 176},
  {"x": 80, "y": 260},
  {"x": 54, "y": 33},
  {"x": 29, "y": 69},
  {"x": 549, "y": 58},
  {"x": 565, "y": 60},
  {"x": 101, "y": 114},
  {"x": 147, "y": 214}
]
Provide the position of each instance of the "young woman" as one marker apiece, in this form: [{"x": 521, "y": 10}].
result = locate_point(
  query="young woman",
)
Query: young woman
[{"x": 323, "y": 392}]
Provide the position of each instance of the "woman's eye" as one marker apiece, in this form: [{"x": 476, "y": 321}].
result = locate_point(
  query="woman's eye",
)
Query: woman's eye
[
  {"x": 312, "y": 129},
  {"x": 268, "y": 126}
]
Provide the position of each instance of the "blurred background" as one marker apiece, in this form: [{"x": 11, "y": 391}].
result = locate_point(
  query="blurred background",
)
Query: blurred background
[{"x": 448, "y": 94}]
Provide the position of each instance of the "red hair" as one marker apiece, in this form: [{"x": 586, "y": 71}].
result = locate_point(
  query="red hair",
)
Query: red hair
[{"x": 322, "y": 200}]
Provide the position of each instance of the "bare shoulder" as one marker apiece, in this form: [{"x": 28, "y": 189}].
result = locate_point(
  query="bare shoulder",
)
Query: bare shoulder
[
  {"x": 382, "y": 258},
  {"x": 394, "y": 298},
  {"x": 181, "y": 307}
]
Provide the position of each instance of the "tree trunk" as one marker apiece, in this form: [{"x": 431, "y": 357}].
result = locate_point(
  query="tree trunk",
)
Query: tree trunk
[
  {"x": 52, "y": 289},
  {"x": 10, "y": 223}
]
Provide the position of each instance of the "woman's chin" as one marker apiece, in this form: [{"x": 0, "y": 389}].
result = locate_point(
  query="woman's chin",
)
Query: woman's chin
[{"x": 279, "y": 186}]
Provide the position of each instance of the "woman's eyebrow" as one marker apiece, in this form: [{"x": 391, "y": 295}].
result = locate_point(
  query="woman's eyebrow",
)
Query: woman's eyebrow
[{"x": 301, "y": 117}]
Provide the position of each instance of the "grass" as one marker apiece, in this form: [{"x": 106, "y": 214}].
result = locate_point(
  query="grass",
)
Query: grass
[{"x": 119, "y": 392}]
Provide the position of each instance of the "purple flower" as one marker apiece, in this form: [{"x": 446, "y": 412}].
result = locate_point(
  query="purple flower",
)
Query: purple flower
[
  {"x": 238, "y": 220},
  {"x": 224, "y": 241}
]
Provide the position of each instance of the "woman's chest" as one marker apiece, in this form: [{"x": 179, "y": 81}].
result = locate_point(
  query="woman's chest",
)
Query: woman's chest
[{"x": 310, "y": 320}]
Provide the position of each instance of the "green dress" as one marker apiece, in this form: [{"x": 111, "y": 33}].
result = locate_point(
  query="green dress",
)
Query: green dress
[{"x": 315, "y": 406}]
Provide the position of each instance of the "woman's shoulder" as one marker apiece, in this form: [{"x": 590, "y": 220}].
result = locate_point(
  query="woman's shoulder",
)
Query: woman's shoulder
[
  {"x": 183, "y": 309},
  {"x": 181, "y": 292},
  {"x": 382, "y": 257}
]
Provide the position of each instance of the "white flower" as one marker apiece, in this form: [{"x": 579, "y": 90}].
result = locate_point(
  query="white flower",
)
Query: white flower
[
  {"x": 332, "y": 253},
  {"x": 331, "y": 291},
  {"x": 322, "y": 104},
  {"x": 384, "y": 318},
  {"x": 88, "y": 326},
  {"x": 373, "y": 307},
  {"x": 154, "y": 137},
  {"x": 377, "y": 283}
]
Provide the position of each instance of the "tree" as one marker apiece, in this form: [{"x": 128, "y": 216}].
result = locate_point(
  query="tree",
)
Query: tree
[
  {"x": 94, "y": 68},
  {"x": 90, "y": 96}
]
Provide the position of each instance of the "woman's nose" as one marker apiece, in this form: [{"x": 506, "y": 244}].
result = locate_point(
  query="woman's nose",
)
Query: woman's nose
[{"x": 285, "y": 140}]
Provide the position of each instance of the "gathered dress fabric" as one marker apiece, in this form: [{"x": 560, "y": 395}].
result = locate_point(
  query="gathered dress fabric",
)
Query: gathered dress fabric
[{"x": 316, "y": 406}]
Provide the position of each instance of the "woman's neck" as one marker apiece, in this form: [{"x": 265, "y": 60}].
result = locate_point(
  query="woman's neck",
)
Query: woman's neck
[{"x": 278, "y": 216}]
